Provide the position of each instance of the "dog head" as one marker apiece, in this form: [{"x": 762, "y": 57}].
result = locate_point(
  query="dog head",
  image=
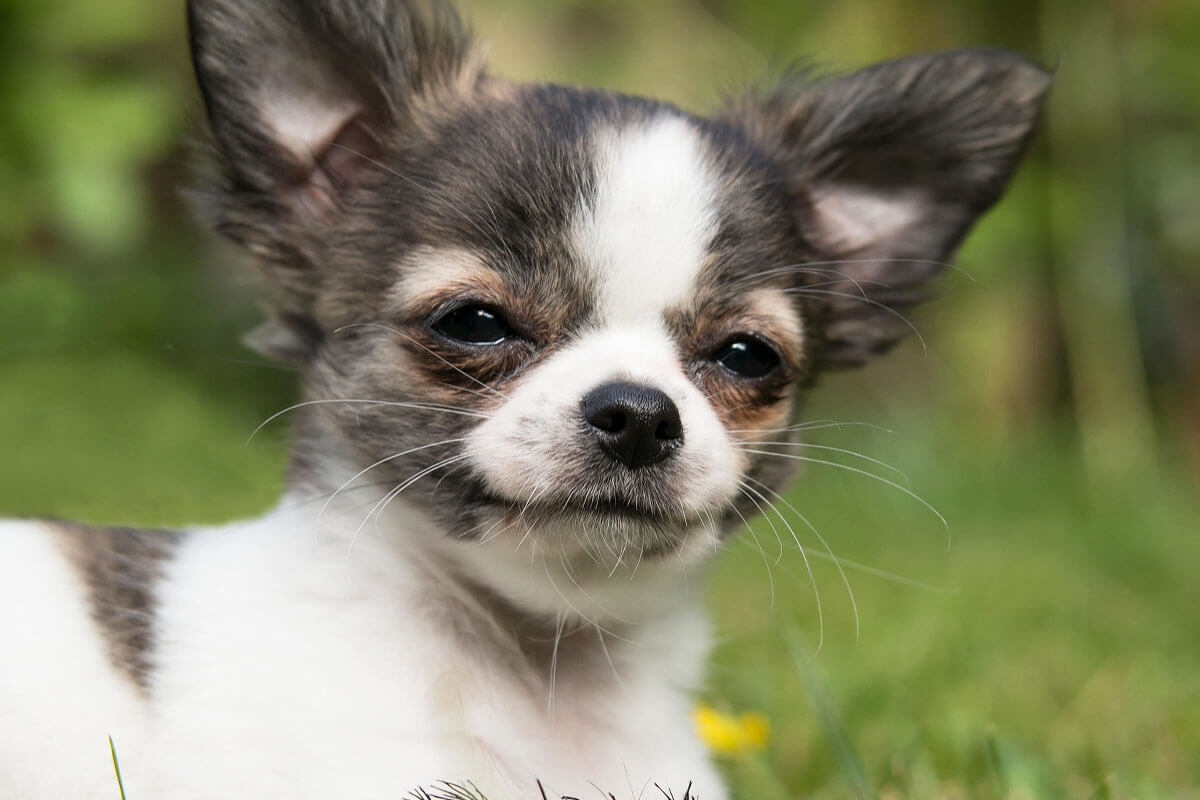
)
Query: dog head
[{"x": 572, "y": 319}]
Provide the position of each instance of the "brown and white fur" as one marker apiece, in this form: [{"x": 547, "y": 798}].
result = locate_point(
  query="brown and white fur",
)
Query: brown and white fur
[{"x": 539, "y": 328}]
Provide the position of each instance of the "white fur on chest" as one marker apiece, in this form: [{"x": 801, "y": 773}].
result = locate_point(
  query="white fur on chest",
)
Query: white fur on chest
[{"x": 291, "y": 666}]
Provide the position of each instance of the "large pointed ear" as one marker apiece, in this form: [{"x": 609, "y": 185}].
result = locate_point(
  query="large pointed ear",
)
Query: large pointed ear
[
  {"x": 888, "y": 168},
  {"x": 303, "y": 98}
]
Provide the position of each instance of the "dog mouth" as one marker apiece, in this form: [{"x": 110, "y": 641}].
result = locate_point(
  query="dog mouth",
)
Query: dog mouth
[
  {"x": 613, "y": 509},
  {"x": 600, "y": 509},
  {"x": 602, "y": 526},
  {"x": 622, "y": 509}
]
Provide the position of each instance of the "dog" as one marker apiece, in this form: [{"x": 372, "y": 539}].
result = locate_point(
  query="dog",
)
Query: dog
[{"x": 551, "y": 340}]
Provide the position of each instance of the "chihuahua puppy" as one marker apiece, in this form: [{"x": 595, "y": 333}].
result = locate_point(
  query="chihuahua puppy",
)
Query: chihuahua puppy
[{"x": 539, "y": 329}]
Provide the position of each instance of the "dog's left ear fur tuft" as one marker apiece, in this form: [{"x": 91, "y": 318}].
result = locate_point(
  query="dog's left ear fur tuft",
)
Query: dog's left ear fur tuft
[
  {"x": 887, "y": 169},
  {"x": 303, "y": 98},
  {"x": 285, "y": 82}
]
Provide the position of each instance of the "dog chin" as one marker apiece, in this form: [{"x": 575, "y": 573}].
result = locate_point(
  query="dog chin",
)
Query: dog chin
[{"x": 608, "y": 529}]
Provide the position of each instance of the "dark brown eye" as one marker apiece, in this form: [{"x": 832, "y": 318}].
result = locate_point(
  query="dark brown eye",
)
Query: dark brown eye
[
  {"x": 477, "y": 325},
  {"x": 747, "y": 357}
]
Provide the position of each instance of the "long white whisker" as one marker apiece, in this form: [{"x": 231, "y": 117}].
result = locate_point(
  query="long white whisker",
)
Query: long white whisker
[
  {"x": 354, "y": 401},
  {"x": 488, "y": 535},
  {"x": 859, "y": 566},
  {"x": 803, "y": 554},
  {"x": 879, "y": 478},
  {"x": 828, "y": 549},
  {"x": 608, "y": 657},
  {"x": 492, "y": 532},
  {"x": 758, "y": 544},
  {"x": 588, "y": 620},
  {"x": 558, "y": 630},
  {"x": 562, "y": 560},
  {"x": 383, "y": 461},
  {"x": 379, "y": 507},
  {"x": 814, "y": 426},
  {"x": 321, "y": 497},
  {"x": 869, "y": 301},
  {"x": 842, "y": 450},
  {"x": 620, "y": 556},
  {"x": 810, "y": 266},
  {"x": 813, "y": 268},
  {"x": 537, "y": 492}
]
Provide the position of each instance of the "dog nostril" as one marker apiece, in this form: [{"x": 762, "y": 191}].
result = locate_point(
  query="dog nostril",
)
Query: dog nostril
[
  {"x": 610, "y": 422},
  {"x": 636, "y": 425},
  {"x": 670, "y": 428}
]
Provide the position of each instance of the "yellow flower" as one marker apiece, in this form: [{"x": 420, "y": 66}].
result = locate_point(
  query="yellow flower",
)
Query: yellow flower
[{"x": 726, "y": 733}]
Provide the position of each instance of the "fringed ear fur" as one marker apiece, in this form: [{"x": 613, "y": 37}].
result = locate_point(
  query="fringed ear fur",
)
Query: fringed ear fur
[
  {"x": 301, "y": 97},
  {"x": 888, "y": 169}
]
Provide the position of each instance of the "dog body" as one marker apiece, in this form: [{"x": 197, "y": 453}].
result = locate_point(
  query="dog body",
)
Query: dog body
[
  {"x": 266, "y": 692},
  {"x": 553, "y": 341}
]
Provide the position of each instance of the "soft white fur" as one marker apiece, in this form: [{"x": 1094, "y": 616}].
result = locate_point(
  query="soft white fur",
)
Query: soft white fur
[
  {"x": 292, "y": 665},
  {"x": 305, "y": 655},
  {"x": 59, "y": 696},
  {"x": 653, "y": 216}
]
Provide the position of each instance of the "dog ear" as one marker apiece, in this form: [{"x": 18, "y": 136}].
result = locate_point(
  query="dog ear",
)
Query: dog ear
[
  {"x": 887, "y": 169},
  {"x": 304, "y": 98}
]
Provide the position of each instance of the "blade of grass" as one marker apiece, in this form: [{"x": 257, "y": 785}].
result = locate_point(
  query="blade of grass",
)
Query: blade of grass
[
  {"x": 112, "y": 748},
  {"x": 828, "y": 718}
]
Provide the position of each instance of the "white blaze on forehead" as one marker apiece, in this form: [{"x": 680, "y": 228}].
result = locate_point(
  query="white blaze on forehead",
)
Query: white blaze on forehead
[{"x": 646, "y": 231}]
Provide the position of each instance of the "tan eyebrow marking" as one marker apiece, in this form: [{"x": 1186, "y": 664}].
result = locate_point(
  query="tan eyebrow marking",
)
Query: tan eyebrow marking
[
  {"x": 433, "y": 274},
  {"x": 768, "y": 312},
  {"x": 780, "y": 317}
]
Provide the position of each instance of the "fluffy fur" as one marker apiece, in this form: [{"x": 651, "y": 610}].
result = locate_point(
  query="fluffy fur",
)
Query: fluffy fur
[{"x": 464, "y": 580}]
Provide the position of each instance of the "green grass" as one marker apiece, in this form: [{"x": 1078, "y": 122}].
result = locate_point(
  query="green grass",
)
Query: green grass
[
  {"x": 120, "y": 438},
  {"x": 1060, "y": 656},
  {"x": 1053, "y": 650},
  {"x": 112, "y": 748}
]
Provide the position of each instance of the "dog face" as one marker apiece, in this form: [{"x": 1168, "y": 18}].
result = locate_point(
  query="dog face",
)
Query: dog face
[{"x": 571, "y": 317}]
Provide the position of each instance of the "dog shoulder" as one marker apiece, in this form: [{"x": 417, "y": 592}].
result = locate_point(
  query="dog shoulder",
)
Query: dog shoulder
[
  {"x": 101, "y": 582},
  {"x": 76, "y": 614}
]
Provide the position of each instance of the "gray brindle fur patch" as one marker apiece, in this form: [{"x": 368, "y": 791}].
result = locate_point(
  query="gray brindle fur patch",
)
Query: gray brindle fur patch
[{"x": 121, "y": 568}]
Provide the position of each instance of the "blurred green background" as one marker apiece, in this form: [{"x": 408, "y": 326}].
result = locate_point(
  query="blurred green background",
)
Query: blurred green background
[{"x": 1052, "y": 650}]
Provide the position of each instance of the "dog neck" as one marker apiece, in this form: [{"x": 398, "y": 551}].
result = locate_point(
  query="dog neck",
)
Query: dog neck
[{"x": 542, "y": 619}]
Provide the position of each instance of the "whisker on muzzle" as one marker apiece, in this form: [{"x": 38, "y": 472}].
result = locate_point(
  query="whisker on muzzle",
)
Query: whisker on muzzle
[
  {"x": 751, "y": 493},
  {"x": 856, "y": 470},
  {"x": 804, "y": 554},
  {"x": 842, "y": 450},
  {"x": 814, "y": 425},
  {"x": 363, "y": 401}
]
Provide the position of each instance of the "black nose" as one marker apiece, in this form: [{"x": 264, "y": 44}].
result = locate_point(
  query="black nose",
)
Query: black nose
[{"x": 636, "y": 425}]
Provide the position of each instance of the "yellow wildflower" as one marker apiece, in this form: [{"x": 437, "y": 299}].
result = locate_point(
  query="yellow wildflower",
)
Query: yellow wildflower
[{"x": 727, "y": 734}]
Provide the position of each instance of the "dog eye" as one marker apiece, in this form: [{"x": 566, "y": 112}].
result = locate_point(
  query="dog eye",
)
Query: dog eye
[
  {"x": 474, "y": 325},
  {"x": 747, "y": 357}
]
